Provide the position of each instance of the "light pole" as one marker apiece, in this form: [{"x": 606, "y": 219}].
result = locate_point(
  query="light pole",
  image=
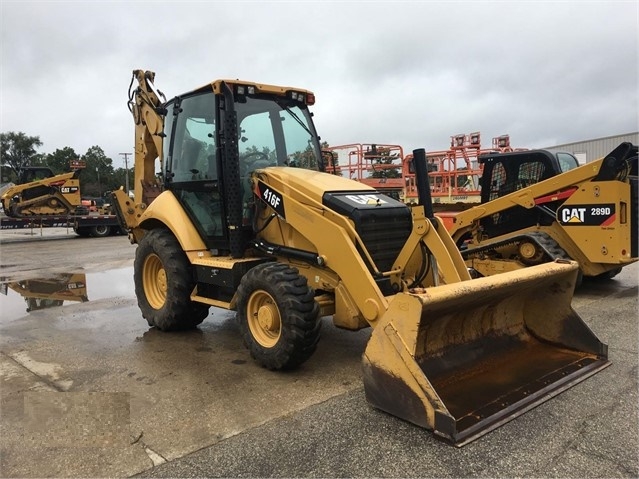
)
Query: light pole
[
  {"x": 126, "y": 169},
  {"x": 97, "y": 170}
]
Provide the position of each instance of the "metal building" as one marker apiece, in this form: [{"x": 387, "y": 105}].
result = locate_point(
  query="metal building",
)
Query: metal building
[{"x": 590, "y": 150}]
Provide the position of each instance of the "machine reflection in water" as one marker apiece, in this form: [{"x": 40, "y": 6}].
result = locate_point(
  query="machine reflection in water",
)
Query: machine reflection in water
[
  {"x": 57, "y": 289},
  {"x": 43, "y": 293}
]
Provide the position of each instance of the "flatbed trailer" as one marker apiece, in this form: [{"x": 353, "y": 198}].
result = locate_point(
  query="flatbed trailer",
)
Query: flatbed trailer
[{"x": 87, "y": 225}]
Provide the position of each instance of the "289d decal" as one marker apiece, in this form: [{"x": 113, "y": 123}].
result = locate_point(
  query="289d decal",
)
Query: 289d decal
[{"x": 586, "y": 215}]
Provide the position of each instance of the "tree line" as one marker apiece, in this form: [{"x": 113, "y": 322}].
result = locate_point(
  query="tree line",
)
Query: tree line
[{"x": 18, "y": 150}]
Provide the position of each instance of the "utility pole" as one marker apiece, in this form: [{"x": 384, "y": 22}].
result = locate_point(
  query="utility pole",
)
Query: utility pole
[{"x": 126, "y": 168}]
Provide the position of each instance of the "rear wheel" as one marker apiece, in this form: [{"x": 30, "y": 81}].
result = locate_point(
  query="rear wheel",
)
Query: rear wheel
[
  {"x": 101, "y": 231},
  {"x": 163, "y": 283},
  {"x": 278, "y": 316}
]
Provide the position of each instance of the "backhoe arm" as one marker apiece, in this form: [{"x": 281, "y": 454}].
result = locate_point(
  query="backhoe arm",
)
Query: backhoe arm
[
  {"x": 148, "y": 115},
  {"x": 144, "y": 103}
]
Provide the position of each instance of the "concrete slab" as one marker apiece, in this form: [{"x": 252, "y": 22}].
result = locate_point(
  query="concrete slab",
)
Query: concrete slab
[
  {"x": 88, "y": 390},
  {"x": 184, "y": 391}
]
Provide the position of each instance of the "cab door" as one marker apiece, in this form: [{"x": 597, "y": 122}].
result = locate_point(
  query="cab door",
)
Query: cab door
[
  {"x": 504, "y": 175},
  {"x": 191, "y": 164}
]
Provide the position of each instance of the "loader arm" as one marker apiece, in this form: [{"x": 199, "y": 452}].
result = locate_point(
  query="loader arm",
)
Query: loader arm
[
  {"x": 556, "y": 188},
  {"x": 340, "y": 249}
]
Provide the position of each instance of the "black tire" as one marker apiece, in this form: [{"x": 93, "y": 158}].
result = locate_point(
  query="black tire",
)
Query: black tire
[
  {"x": 278, "y": 316},
  {"x": 608, "y": 275},
  {"x": 100, "y": 231},
  {"x": 164, "y": 282}
]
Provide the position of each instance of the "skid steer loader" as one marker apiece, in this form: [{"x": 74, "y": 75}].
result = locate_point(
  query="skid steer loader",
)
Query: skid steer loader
[
  {"x": 39, "y": 192},
  {"x": 243, "y": 217},
  {"x": 538, "y": 206}
]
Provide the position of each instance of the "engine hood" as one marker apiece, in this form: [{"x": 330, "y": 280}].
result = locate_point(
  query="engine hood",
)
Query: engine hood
[{"x": 308, "y": 182}]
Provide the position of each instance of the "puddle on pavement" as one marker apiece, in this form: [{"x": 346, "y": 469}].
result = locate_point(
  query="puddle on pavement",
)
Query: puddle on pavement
[{"x": 19, "y": 298}]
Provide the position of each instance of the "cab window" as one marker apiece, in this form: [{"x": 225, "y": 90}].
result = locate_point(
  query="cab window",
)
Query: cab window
[
  {"x": 193, "y": 149},
  {"x": 257, "y": 143},
  {"x": 567, "y": 162},
  {"x": 275, "y": 132}
]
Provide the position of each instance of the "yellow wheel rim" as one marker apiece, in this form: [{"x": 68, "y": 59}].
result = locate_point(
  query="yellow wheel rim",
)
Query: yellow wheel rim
[
  {"x": 154, "y": 281},
  {"x": 527, "y": 250},
  {"x": 264, "y": 319}
]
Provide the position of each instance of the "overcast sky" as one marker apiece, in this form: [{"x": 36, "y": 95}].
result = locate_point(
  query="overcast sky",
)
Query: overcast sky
[{"x": 406, "y": 73}]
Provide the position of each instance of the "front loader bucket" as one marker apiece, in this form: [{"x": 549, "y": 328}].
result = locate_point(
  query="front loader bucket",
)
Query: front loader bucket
[{"x": 464, "y": 358}]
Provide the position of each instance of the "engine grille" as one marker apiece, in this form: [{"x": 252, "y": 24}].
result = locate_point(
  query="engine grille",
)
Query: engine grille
[{"x": 383, "y": 226}]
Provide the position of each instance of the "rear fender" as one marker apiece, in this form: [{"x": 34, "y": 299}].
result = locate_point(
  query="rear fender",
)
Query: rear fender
[{"x": 167, "y": 211}]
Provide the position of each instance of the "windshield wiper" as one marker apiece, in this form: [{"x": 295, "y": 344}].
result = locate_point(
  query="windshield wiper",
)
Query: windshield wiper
[{"x": 296, "y": 118}]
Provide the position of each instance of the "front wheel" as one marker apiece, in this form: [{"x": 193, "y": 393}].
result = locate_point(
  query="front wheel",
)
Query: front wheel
[
  {"x": 607, "y": 275},
  {"x": 163, "y": 283},
  {"x": 278, "y": 316}
]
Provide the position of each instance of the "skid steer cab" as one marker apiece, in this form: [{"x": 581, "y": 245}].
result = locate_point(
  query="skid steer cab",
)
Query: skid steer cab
[{"x": 244, "y": 217}]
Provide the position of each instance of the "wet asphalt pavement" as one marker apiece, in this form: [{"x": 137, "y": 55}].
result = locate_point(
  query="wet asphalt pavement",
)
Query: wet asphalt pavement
[{"x": 88, "y": 390}]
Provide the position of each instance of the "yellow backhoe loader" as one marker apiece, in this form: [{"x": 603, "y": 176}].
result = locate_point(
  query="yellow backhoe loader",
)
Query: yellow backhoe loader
[
  {"x": 538, "y": 206},
  {"x": 242, "y": 216}
]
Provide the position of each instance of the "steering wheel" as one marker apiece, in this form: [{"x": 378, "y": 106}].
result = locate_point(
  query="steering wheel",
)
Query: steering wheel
[
  {"x": 254, "y": 160},
  {"x": 256, "y": 156}
]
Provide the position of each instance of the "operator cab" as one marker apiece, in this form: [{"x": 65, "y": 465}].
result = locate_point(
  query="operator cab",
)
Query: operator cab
[
  {"x": 505, "y": 173},
  {"x": 29, "y": 174},
  {"x": 218, "y": 135}
]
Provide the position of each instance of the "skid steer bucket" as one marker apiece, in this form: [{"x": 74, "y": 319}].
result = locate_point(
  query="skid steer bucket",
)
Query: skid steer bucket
[{"x": 464, "y": 358}]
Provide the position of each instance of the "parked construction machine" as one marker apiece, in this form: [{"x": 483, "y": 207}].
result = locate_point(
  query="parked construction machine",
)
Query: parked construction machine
[
  {"x": 539, "y": 206},
  {"x": 242, "y": 216},
  {"x": 39, "y": 192}
]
